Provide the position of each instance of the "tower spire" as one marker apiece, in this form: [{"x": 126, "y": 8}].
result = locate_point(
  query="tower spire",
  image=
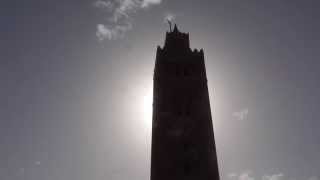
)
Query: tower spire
[
  {"x": 175, "y": 28},
  {"x": 170, "y": 24}
]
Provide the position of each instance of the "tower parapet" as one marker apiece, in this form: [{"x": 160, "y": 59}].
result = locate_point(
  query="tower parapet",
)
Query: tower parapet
[
  {"x": 177, "y": 59},
  {"x": 177, "y": 41}
]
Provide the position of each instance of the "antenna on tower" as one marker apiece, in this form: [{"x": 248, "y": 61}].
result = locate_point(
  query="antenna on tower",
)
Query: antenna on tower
[{"x": 170, "y": 24}]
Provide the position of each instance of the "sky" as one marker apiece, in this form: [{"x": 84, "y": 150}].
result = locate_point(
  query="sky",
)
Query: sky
[{"x": 76, "y": 86}]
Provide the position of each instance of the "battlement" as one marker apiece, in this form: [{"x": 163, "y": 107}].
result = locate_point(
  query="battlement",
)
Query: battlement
[
  {"x": 177, "y": 40},
  {"x": 177, "y": 60}
]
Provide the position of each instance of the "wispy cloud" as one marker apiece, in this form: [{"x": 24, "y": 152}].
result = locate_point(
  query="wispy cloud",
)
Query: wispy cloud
[
  {"x": 232, "y": 175},
  {"x": 314, "y": 178},
  {"x": 147, "y": 3},
  {"x": 103, "y": 4},
  {"x": 21, "y": 171},
  {"x": 246, "y": 175},
  {"x": 111, "y": 32},
  {"x": 278, "y": 176},
  {"x": 170, "y": 17},
  {"x": 242, "y": 114},
  {"x": 118, "y": 16}
]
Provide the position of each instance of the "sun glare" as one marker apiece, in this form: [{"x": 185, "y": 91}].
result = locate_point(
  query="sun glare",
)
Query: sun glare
[{"x": 147, "y": 108}]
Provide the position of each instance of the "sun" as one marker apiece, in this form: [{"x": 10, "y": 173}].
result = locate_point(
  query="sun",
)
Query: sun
[{"x": 147, "y": 108}]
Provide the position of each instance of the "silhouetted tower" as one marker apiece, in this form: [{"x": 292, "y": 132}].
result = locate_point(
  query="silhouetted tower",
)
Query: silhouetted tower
[{"x": 183, "y": 146}]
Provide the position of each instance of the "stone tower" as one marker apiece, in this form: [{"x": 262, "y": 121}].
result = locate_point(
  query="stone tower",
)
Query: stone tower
[{"x": 183, "y": 146}]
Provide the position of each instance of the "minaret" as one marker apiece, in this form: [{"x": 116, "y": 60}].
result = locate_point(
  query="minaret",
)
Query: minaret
[{"x": 183, "y": 146}]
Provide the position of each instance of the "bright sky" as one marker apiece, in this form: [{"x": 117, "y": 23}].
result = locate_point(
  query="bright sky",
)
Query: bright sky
[{"x": 76, "y": 81}]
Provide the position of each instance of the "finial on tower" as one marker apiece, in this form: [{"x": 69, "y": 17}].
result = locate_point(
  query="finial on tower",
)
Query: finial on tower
[
  {"x": 175, "y": 28},
  {"x": 170, "y": 24}
]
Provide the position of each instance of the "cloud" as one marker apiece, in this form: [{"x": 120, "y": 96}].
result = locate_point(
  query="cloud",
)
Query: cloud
[
  {"x": 21, "y": 171},
  {"x": 147, "y": 3},
  {"x": 118, "y": 16},
  {"x": 242, "y": 114},
  {"x": 103, "y": 4},
  {"x": 111, "y": 32},
  {"x": 314, "y": 178},
  {"x": 170, "y": 17},
  {"x": 246, "y": 176},
  {"x": 278, "y": 176},
  {"x": 232, "y": 175}
]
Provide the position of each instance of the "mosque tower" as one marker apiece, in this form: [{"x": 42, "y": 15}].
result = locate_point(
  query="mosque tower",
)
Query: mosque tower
[{"x": 183, "y": 145}]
